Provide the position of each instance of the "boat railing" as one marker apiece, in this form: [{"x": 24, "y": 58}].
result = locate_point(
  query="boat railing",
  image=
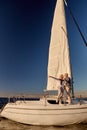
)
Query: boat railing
[{"x": 23, "y": 97}]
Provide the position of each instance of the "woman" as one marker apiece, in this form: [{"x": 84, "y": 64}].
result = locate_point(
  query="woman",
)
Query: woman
[{"x": 60, "y": 88}]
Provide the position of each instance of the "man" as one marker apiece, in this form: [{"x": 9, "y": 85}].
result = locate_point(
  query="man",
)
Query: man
[{"x": 67, "y": 83}]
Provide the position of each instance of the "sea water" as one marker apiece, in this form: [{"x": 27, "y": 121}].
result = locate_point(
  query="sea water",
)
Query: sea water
[{"x": 6, "y": 124}]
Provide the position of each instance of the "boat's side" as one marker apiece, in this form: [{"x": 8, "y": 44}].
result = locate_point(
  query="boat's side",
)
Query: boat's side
[{"x": 39, "y": 113}]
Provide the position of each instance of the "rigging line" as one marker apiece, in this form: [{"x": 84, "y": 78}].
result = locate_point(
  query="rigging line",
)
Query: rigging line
[
  {"x": 64, "y": 30},
  {"x": 85, "y": 42}
]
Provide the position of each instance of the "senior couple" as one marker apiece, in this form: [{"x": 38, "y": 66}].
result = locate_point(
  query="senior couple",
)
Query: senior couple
[{"x": 65, "y": 86}]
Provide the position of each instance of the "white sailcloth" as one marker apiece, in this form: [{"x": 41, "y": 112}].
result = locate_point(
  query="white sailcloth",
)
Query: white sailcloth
[{"x": 59, "y": 58}]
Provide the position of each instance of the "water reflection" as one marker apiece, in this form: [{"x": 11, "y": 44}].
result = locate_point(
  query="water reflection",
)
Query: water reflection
[{"x": 10, "y": 125}]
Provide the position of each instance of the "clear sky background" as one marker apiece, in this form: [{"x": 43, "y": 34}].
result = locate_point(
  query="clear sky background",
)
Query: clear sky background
[{"x": 25, "y": 27}]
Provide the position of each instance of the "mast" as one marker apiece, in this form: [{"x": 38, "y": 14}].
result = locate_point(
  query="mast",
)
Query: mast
[{"x": 79, "y": 30}]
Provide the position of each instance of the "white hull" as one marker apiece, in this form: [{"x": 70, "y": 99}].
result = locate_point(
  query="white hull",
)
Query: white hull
[{"x": 43, "y": 113}]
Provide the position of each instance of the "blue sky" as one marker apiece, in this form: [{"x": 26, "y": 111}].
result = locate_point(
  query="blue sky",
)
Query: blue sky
[{"x": 25, "y": 27}]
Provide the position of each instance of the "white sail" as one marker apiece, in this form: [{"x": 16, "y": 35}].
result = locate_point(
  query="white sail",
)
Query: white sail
[{"x": 59, "y": 59}]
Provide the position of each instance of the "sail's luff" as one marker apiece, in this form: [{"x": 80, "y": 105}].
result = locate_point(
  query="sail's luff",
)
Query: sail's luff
[{"x": 59, "y": 59}]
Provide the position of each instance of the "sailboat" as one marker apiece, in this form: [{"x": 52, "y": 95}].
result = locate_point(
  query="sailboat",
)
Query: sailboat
[{"x": 43, "y": 112}]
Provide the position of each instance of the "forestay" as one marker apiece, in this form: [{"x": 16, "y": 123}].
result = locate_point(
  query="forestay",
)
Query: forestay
[{"x": 59, "y": 58}]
